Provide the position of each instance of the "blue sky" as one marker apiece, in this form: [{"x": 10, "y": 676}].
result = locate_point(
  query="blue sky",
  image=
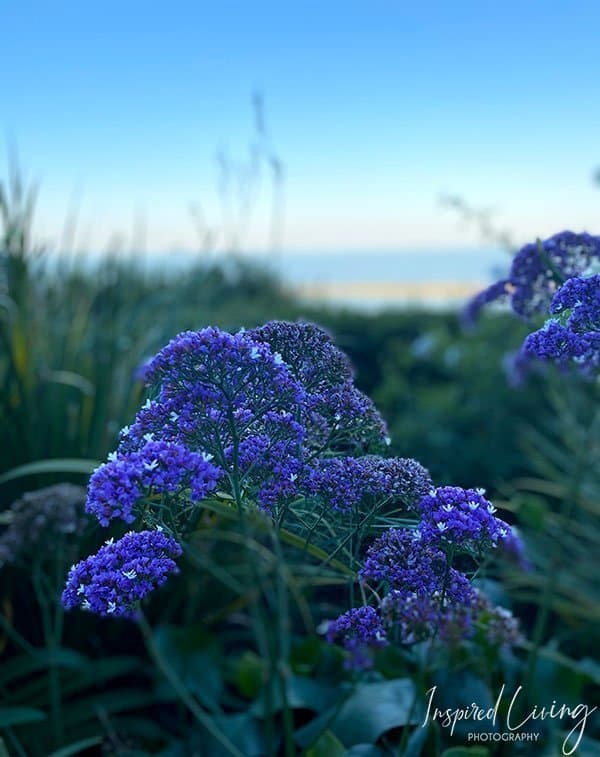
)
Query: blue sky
[{"x": 374, "y": 108}]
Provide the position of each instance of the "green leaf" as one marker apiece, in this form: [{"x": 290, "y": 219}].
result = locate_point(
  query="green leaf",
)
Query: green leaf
[
  {"x": 328, "y": 745},
  {"x": 464, "y": 751},
  {"x": 457, "y": 690},
  {"x": 243, "y": 730},
  {"x": 56, "y": 465},
  {"x": 196, "y": 661},
  {"x": 24, "y": 665},
  {"x": 77, "y": 747},
  {"x": 249, "y": 675},
  {"x": 69, "y": 378},
  {"x": 416, "y": 742},
  {"x": 99, "y": 672},
  {"x": 118, "y": 700},
  {"x": 10, "y": 716},
  {"x": 305, "y": 655},
  {"x": 302, "y": 694},
  {"x": 374, "y": 709},
  {"x": 364, "y": 750}
]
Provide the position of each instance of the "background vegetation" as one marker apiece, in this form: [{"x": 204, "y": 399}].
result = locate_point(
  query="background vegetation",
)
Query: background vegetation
[{"x": 72, "y": 340}]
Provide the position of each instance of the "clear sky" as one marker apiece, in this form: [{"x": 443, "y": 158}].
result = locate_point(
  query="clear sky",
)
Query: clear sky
[{"x": 374, "y": 109}]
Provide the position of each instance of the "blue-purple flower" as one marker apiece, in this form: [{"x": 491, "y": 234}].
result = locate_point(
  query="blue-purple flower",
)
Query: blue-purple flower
[
  {"x": 402, "y": 559},
  {"x": 158, "y": 467},
  {"x": 308, "y": 351},
  {"x": 461, "y": 518},
  {"x": 114, "y": 580},
  {"x": 538, "y": 270},
  {"x": 572, "y": 335},
  {"x": 361, "y": 632},
  {"x": 345, "y": 483}
]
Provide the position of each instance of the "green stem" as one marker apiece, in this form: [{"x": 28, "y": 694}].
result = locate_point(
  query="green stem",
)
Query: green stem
[
  {"x": 181, "y": 690},
  {"x": 259, "y": 623},
  {"x": 49, "y": 628},
  {"x": 283, "y": 624},
  {"x": 423, "y": 669}
]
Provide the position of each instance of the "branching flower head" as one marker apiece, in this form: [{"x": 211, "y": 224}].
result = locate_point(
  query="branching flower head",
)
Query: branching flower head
[
  {"x": 40, "y": 520},
  {"x": 572, "y": 335},
  {"x": 344, "y": 483},
  {"x": 122, "y": 573},
  {"x": 158, "y": 467},
  {"x": 404, "y": 560},
  {"x": 361, "y": 632},
  {"x": 308, "y": 351},
  {"x": 537, "y": 270},
  {"x": 461, "y": 518},
  {"x": 336, "y": 415}
]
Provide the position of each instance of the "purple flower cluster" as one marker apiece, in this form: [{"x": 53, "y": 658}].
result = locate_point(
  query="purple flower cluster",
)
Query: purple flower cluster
[
  {"x": 256, "y": 412},
  {"x": 497, "y": 624},
  {"x": 337, "y": 416},
  {"x": 462, "y": 518},
  {"x": 425, "y": 597},
  {"x": 344, "y": 483},
  {"x": 405, "y": 561},
  {"x": 572, "y": 335},
  {"x": 39, "y": 521},
  {"x": 361, "y": 632},
  {"x": 537, "y": 270},
  {"x": 415, "y": 617},
  {"x": 156, "y": 468},
  {"x": 121, "y": 573},
  {"x": 273, "y": 417},
  {"x": 214, "y": 388},
  {"x": 345, "y": 421},
  {"x": 308, "y": 351},
  {"x": 338, "y": 481}
]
